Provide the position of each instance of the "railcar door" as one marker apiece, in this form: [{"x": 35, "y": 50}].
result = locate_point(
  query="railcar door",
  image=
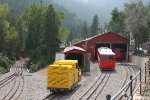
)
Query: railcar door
[
  {"x": 104, "y": 61},
  {"x": 111, "y": 61}
]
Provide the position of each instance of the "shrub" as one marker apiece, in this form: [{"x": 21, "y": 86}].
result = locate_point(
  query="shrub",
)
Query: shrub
[
  {"x": 4, "y": 62},
  {"x": 33, "y": 68},
  {"x": 2, "y": 70}
]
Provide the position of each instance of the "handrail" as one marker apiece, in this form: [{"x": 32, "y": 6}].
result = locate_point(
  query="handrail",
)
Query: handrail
[
  {"x": 137, "y": 86},
  {"x": 119, "y": 92},
  {"x": 136, "y": 75},
  {"x": 129, "y": 84}
]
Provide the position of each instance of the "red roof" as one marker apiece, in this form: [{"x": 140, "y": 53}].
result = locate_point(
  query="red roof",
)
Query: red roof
[{"x": 73, "y": 49}]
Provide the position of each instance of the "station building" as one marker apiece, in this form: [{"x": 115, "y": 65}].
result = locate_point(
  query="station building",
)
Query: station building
[{"x": 109, "y": 39}]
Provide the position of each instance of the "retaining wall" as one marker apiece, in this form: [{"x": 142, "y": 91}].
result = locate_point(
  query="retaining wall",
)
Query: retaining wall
[{"x": 138, "y": 60}]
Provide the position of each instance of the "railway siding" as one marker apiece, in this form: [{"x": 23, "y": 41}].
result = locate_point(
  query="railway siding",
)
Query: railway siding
[
  {"x": 114, "y": 84},
  {"x": 35, "y": 87},
  {"x": 35, "y": 84}
]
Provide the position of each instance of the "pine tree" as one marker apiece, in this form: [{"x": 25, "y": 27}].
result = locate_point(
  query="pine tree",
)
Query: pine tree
[
  {"x": 51, "y": 33},
  {"x": 34, "y": 21},
  {"x": 117, "y": 21},
  {"x": 135, "y": 20},
  {"x": 94, "y": 26}
]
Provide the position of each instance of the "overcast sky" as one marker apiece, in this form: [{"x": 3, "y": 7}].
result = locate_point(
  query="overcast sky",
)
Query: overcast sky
[{"x": 86, "y": 9}]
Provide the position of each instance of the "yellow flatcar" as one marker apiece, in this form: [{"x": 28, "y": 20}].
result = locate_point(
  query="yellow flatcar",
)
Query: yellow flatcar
[{"x": 63, "y": 75}]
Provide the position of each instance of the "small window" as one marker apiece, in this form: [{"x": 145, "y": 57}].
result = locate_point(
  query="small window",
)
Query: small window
[
  {"x": 111, "y": 57},
  {"x": 105, "y": 58}
]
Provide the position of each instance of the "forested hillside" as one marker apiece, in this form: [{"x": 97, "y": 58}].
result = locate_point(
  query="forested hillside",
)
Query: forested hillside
[
  {"x": 86, "y": 9},
  {"x": 37, "y": 28},
  {"x": 41, "y": 28}
]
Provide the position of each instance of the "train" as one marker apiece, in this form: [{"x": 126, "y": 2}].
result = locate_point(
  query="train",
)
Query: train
[
  {"x": 106, "y": 58},
  {"x": 119, "y": 54},
  {"x": 63, "y": 75}
]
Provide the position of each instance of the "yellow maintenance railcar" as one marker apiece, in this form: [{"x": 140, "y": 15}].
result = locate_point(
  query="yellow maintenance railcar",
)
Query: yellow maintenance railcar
[{"x": 63, "y": 75}]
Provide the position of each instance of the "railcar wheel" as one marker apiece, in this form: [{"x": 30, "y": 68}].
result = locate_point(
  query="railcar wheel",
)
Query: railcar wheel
[
  {"x": 76, "y": 85},
  {"x": 55, "y": 90},
  {"x": 66, "y": 91}
]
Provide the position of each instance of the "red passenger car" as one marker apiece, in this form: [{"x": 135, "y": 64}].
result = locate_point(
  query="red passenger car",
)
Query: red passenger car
[
  {"x": 119, "y": 53},
  {"x": 106, "y": 58}
]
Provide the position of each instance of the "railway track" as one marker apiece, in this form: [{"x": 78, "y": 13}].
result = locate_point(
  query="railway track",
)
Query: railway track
[
  {"x": 127, "y": 75},
  {"x": 53, "y": 96},
  {"x": 132, "y": 73},
  {"x": 16, "y": 81},
  {"x": 129, "y": 71},
  {"x": 7, "y": 80},
  {"x": 95, "y": 90}
]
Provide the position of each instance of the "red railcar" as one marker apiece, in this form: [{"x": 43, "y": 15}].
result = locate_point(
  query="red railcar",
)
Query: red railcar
[
  {"x": 106, "y": 58},
  {"x": 119, "y": 53}
]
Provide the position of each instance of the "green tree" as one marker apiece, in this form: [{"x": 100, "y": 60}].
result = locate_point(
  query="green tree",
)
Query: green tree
[
  {"x": 117, "y": 22},
  {"x": 21, "y": 36},
  {"x": 147, "y": 10},
  {"x": 32, "y": 21},
  {"x": 63, "y": 34},
  {"x": 94, "y": 26},
  {"x": 63, "y": 31},
  {"x": 51, "y": 33},
  {"x": 4, "y": 63},
  {"x": 3, "y": 25},
  {"x": 135, "y": 20},
  {"x": 8, "y": 34},
  {"x": 8, "y": 39},
  {"x": 12, "y": 38}
]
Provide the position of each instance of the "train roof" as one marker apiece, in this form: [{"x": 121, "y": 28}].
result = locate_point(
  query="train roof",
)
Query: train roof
[{"x": 106, "y": 51}]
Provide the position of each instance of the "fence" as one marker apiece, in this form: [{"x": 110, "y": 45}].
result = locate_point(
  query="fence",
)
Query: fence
[{"x": 146, "y": 71}]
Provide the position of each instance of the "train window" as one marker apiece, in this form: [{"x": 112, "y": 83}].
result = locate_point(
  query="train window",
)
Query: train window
[
  {"x": 111, "y": 57},
  {"x": 105, "y": 58}
]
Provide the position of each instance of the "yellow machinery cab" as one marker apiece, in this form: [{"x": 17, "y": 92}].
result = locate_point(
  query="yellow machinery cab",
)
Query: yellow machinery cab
[{"x": 63, "y": 74}]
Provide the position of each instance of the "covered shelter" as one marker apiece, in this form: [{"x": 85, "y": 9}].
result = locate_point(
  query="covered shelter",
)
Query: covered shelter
[{"x": 75, "y": 53}]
